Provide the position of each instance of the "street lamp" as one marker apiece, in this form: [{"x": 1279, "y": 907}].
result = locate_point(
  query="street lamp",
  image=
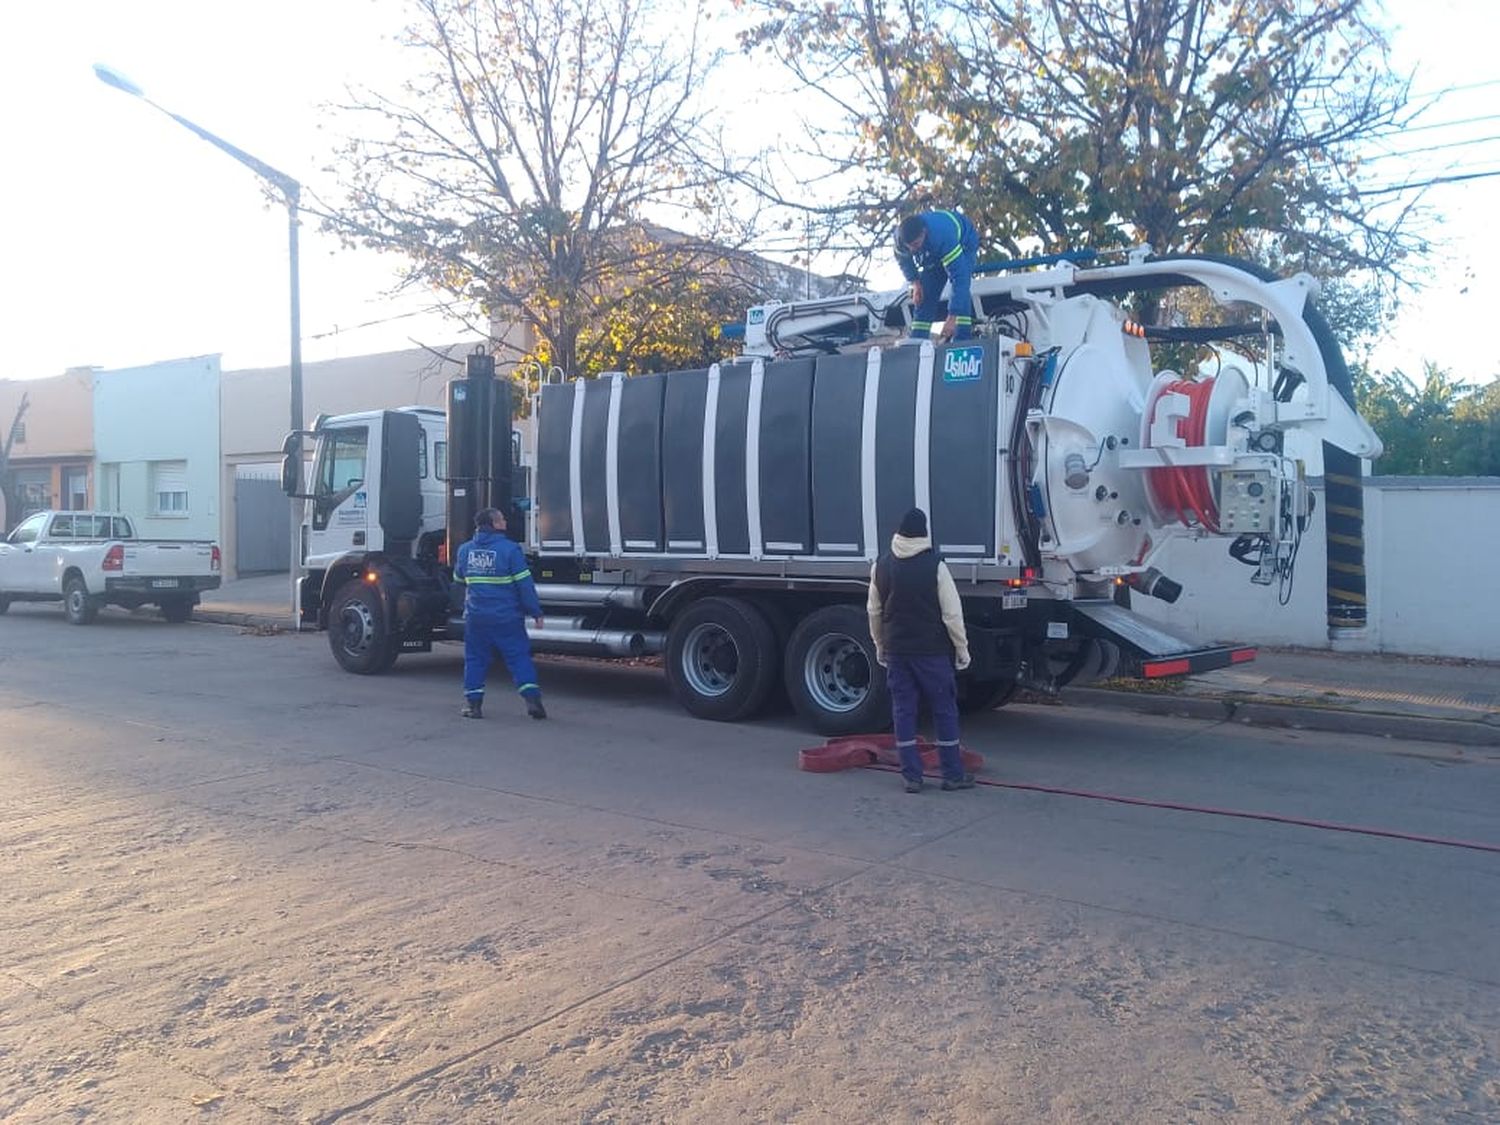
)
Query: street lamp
[{"x": 291, "y": 191}]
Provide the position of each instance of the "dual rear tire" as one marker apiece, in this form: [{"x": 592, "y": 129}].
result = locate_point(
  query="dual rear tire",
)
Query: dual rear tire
[{"x": 724, "y": 659}]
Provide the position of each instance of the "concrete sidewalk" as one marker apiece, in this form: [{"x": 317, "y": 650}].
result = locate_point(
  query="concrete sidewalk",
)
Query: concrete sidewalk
[
  {"x": 1384, "y": 695},
  {"x": 264, "y": 600},
  {"x": 1400, "y": 697}
]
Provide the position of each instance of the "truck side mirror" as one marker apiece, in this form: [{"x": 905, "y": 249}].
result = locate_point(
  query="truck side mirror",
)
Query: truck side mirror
[{"x": 291, "y": 467}]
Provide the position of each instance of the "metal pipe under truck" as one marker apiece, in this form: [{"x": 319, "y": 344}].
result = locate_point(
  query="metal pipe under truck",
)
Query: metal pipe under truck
[{"x": 727, "y": 517}]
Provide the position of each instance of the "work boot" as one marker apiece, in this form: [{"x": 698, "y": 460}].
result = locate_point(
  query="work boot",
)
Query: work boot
[
  {"x": 534, "y": 706},
  {"x": 473, "y": 709},
  {"x": 914, "y": 786},
  {"x": 965, "y": 782}
]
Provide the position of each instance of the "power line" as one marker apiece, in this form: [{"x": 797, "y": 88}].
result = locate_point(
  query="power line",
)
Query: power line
[
  {"x": 339, "y": 331},
  {"x": 1403, "y": 129},
  {"x": 1431, "y": 94},
  {"x": 1432, "y": 148},
  {"x": 1436, "y": 180}
]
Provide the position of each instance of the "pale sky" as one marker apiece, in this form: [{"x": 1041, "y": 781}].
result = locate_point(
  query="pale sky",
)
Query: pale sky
[{"x": 129, "y": 240}]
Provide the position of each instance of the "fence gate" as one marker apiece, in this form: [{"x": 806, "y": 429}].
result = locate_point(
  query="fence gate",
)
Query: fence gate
[{"x": 262, "y": 519}]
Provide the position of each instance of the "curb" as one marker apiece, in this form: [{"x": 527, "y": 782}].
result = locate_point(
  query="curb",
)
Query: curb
[
  {"x": 206, "y": 616},
  {"x": 1379, "y": 724}
]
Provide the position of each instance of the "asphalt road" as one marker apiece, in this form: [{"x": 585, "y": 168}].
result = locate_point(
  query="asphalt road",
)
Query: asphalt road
[{"x": 241, "y": 885}]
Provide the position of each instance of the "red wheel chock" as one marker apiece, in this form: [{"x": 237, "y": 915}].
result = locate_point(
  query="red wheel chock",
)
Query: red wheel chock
[{"x": 853, "y": 751}]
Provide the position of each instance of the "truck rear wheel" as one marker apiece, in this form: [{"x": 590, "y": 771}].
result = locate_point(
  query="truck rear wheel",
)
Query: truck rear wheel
[
  {"x": 357, "y": 631},
  {"x": 831, "y": 673},
  {"x": 78, "y": 607},
  {"x": 177, "y": 610},
  {"x": 721, "y": 659}
]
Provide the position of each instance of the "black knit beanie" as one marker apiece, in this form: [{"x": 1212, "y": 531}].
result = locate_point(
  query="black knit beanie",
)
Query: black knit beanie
[{"x": 913, "y": 524}]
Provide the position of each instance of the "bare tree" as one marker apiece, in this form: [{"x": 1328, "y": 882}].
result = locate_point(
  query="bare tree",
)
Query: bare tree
[
  {"x": 7, "y": 486},
  {"x": 529, "y": 169}
]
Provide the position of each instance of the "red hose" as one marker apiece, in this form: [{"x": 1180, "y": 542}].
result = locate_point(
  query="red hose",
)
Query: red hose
[
  {"x": 1237, "y": 814},
  {"x": 1184, "y": 491}
]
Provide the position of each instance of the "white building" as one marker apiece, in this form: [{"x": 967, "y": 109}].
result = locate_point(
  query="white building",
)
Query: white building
[{"x": 156, "y": 446}]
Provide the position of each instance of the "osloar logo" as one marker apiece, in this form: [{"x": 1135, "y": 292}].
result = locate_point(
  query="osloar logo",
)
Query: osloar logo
[{"x": 962, "y": 365}]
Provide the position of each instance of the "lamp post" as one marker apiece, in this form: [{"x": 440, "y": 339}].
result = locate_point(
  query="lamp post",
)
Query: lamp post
[{"x": 291, "y": 192}]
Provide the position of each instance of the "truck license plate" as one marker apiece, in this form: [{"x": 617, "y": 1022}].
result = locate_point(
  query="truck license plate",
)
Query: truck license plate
[{"x": 164, "y": 583}]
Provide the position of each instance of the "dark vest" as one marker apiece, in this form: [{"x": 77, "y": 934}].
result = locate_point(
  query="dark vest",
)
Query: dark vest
[{"x": 912, "y": 615}]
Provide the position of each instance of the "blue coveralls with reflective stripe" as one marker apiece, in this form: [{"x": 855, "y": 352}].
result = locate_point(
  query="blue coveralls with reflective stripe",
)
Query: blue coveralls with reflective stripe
[
  {"x": 949, "y": 254},
  {"x": 499, "y": 596}
]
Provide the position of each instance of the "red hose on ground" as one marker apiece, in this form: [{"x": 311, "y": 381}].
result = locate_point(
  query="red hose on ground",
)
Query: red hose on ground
[
  {"x": 857, "y": 750},
  {"x": 877, "y": 752},
  {"x": 1237, "y": 814}
]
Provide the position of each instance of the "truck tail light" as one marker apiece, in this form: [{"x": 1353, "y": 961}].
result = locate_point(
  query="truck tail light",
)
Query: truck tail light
[
  {"x": 114, "y": 558},
  {"x": 217, "y": 561}
]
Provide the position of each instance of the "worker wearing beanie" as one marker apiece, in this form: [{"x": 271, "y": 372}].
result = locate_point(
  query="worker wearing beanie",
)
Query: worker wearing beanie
[
  {"x": 933, "y": 249},
  {"x": 498, "y": 597},
  {"x": 917, "y": 623}
]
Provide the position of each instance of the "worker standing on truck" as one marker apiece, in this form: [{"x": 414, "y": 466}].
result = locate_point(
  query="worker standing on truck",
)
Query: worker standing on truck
[
  {"x": 917, "y": 624},
  {"x": 498, "y": 597},
  {"x": 934, "y": 248}
]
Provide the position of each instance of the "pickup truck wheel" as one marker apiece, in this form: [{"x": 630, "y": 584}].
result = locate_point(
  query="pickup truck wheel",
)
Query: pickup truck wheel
[
  {"x": 831, "y": 673},
  {"x": 357, "y": 631},
  {"x": 978, "y": 696},
  {"x": 721, "y": 659},
  {"x": 177, "y": 610},
  {"x": 78, "y": 607}
]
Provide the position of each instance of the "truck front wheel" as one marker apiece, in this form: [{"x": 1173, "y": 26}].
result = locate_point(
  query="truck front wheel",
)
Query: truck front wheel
[
  {"x": 721, "y": 659},
  {"x": 357, "y": 632},
  {"x": 78, "y": 607},
  {"x": 831, "y": 673}
]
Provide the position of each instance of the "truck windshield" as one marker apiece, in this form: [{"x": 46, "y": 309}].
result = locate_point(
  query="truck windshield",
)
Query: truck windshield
[{"x": 341, "y": 461}]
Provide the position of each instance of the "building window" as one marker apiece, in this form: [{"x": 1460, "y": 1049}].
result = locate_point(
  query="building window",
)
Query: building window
[
  {"x": 75, "y": 489},
  {"x": 32, "y": 490},
  {"x": 169, "y": 488}
]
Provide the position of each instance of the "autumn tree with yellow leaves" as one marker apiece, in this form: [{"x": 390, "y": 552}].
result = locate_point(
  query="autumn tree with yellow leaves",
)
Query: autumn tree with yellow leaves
[{"x": 1199, "y": 126}]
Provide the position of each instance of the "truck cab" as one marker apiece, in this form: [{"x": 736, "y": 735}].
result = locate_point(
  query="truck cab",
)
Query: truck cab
[{"x": 355, "y": 503}]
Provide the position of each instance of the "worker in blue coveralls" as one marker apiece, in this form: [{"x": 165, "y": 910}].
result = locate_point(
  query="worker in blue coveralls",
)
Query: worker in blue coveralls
[
  {"x": 934, "y": 248},
  {"x": 498, "y": 597},
  {"x": 917, "y": 624}
]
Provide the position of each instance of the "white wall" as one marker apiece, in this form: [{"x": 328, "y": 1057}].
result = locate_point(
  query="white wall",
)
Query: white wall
[
  {"x": 1432, "y": 546},
  {"x": 165, "y": 411},
  {"x": 256, "y": 409}
]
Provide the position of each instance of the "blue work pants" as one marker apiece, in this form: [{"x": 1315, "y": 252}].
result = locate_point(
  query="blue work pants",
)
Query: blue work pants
[
  {"x": 483, "y": 641},
  {"x": 912, "y": 679}
]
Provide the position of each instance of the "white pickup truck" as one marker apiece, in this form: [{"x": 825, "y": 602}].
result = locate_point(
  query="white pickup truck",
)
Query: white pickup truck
[{"x": 88, "y": 560}]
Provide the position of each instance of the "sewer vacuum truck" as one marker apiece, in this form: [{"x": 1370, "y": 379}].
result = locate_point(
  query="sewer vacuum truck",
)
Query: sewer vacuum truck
[{"x": 726, "y": 518}]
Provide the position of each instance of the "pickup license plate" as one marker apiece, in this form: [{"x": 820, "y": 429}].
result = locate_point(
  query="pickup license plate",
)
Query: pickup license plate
[{"x": 164, "y": 583}]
